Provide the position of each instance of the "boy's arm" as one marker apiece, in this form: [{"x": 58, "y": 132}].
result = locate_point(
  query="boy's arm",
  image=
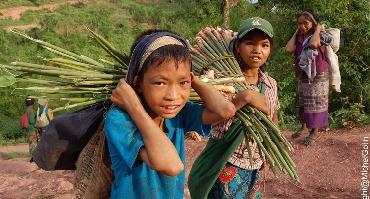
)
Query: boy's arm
[
  {"x": 158, "y": 151},
  {"x": 217, "y": 107},
  {"x": 252, "y": 98}
]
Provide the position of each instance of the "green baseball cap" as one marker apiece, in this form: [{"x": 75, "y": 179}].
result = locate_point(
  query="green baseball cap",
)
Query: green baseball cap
[{"x": 255, "y": 23}]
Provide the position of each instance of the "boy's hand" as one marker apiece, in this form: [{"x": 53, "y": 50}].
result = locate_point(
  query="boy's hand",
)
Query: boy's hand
[
  {"x": 125, "y": 97},
  {"x": 253, "y": 98}
]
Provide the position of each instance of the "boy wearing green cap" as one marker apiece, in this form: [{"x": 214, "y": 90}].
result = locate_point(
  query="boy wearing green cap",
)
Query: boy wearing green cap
[{"x": 237, "y": 174}]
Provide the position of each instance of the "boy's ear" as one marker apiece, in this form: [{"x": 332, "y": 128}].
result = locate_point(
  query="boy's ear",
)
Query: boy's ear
[{"x": 191, "y": 76}]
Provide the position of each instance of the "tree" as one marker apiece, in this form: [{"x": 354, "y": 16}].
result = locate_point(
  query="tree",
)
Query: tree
[{"x": 226, "y": 7}]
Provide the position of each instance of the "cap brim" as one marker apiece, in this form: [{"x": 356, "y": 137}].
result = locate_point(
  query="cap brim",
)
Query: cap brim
[{"x": 259, "y": 28}]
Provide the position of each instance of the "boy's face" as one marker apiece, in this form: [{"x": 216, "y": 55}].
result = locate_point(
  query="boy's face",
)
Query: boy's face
[
  {"x": 255, "y": 50},
  {"x": 166, "y": 87}
]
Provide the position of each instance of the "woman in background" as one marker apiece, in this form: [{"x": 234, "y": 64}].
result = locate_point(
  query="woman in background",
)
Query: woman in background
[{"x": 311, "y": 66}]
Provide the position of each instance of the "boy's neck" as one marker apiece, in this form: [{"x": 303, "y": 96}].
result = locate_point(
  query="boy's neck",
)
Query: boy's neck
[
  {"x": 160, "y": 122},
  {"x": 251, "y": 75},
  {"x": 251, "y": 72}
]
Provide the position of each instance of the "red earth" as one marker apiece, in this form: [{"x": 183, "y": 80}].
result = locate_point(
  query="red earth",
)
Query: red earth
[{"x": 330, "y": 168}]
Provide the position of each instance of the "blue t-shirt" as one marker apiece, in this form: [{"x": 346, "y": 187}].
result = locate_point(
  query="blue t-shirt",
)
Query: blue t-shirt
[{"x": 133, "y": 177}]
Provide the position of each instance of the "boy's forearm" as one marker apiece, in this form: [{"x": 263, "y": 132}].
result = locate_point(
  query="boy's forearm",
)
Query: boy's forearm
[
  {"x": 217, "y": 106},
  {"x": 160, "y": 153},
  {"x": 252, "y": 98}
]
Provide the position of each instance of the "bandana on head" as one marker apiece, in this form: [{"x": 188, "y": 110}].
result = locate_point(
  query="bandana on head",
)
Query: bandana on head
[
  {"x": 147, "y": 46},
  {"x": 310, "y": 16}
]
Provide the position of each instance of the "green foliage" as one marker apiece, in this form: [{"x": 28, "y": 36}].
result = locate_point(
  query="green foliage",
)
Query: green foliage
[
  {"x": 9, "y": 129},
  {"x": 349, "y": 116}
]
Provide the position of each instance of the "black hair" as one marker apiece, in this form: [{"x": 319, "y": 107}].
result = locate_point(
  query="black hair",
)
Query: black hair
[
  {"x": 248, "y": 36},
  {"x": 169, "y": 52},
  {"x": 29, "y": 101}
]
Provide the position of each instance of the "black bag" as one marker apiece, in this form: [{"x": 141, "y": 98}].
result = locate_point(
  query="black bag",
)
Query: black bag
[{"x": 66, "y": 136}]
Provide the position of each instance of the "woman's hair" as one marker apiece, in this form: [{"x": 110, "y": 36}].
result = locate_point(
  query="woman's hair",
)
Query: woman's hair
[
  {"x": 174, "y": 47},
  {"x": 248, "y": 36},
  {"x": 29, "y": 101},
  {"x": 310, "y": 16}
]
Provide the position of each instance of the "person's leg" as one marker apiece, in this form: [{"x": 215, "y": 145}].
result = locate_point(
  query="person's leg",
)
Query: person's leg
[
  {"x": 32, "y": 141},
  {"x": 303, "y": 128},
  {"x": 301, "y": 131},
  {"x": 314, "y": 135}
]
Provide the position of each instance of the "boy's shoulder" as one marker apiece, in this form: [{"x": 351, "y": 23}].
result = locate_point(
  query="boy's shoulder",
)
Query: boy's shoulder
[
  {"x": 117, "y": 118},
  {"x": 268, "y": 79},
  {"x": 117, "y": 113}
]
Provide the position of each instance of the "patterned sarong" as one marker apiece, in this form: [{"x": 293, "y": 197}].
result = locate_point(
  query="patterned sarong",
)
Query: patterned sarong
[
  {"x": 235, "y": 182},
  {"x": 313, "y": 100}
]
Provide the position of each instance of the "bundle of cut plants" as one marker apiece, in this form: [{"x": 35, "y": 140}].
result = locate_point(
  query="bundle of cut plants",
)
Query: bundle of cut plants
[
  {"x": 75, "y": 79},
  {"x": 212, "y": 52}
]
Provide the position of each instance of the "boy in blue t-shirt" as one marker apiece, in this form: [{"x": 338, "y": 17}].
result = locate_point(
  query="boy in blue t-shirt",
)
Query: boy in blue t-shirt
[{"x": 146, "y": 134}]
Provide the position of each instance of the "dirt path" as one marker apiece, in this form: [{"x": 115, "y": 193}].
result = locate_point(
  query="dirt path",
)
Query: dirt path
[
  {"x": 21, "y": 179},
  {"x": 330, "y": 168},
  {"x": 14, "y": 148},
  {"x": 15, "y": 13}
]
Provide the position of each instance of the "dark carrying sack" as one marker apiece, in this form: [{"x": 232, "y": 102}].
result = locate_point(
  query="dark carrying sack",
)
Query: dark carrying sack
[
  {"x": 66, "y": 136},
  {"x": 24, "y": 120}
]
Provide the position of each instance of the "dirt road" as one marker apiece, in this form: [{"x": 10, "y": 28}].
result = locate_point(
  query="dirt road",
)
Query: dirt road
[
  {"x": 15, "y": 13},
  {"x": 330, "y": 168}
]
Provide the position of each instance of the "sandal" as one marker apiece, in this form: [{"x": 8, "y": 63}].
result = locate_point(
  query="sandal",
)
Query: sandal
[
  {"x": 297, "y": 134},
  {"x": 310, "y": 139}
]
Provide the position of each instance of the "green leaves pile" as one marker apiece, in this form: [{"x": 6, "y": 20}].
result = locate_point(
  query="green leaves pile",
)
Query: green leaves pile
[{"x": 76, "y": 79}]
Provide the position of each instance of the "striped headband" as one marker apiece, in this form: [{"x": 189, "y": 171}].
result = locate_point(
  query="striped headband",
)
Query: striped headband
[
  {"x": 146, "y": 46},
  {"x": 310, "y": 16},
  {"x": 159, "y": 42}
]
